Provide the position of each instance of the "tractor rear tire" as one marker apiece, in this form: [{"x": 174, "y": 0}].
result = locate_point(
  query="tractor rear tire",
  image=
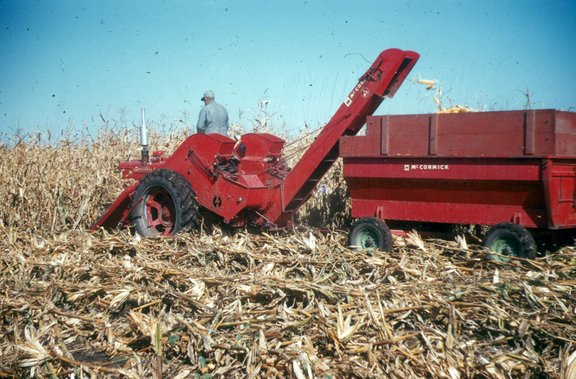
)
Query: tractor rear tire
[
  {"x": 509, "y": 239},
  {"x": 164, "y": 204},
  {"x": 370, "y": 233}
]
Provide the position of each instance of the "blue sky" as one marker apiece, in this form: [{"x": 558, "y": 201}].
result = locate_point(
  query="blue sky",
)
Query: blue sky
[{"x": 68, "y": 63}]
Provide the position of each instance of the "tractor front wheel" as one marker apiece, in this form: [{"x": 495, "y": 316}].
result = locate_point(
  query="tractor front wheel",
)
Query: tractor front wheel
[
  {"x": 509, "y": 239},
  {"x": 164, "y": 204},
  {"x": 370, "y": 233}
]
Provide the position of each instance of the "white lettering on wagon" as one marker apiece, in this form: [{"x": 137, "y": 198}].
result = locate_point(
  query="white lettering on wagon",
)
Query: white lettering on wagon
[{"x": 426, "y": 167}]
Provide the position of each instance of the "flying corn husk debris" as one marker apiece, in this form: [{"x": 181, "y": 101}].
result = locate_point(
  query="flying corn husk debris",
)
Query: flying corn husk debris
[
  {"x": 438, "y": 97},
  {"x": 297, "y": 304},
  {"x": 428, "y": 83}
]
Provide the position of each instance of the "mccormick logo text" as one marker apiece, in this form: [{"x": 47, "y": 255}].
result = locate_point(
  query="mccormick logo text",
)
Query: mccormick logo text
[
  {"x": 426, "y": 167},
  {"x": 350, "y": 97}
]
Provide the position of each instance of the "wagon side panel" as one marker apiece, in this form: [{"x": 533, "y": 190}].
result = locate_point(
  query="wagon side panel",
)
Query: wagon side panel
[{"x": 458, "y": 191}]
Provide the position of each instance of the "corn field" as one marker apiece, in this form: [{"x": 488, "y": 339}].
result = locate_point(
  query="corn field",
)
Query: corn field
[{"x": 212, "y": 304}]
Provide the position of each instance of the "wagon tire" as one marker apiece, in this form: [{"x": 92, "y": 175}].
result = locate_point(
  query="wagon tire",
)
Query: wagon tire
[
  {"x": 370, "y": 233},
  {"x": 164, "y": 204},
  {"x": 509, "y": 239}
]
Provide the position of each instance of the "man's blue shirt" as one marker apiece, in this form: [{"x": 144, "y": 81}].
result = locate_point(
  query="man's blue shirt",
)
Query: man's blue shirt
[{"x": 213, "y": 118}]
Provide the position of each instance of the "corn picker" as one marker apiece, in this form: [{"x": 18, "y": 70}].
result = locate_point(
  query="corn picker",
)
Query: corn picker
[{"x": 244, "y": 183}]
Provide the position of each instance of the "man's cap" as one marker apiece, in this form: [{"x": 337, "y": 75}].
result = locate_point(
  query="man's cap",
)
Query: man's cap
[{"x": 209, "y": 94}]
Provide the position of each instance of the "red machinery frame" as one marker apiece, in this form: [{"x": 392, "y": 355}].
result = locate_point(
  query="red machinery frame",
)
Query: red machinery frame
[{"x": 248, "y": 182}]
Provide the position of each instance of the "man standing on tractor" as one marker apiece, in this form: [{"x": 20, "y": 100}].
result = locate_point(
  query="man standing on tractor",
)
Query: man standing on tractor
[{"x": 213, "y": 117}]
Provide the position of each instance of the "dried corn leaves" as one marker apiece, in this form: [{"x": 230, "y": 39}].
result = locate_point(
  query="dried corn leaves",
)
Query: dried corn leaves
[{"x": 299, "y": 305}]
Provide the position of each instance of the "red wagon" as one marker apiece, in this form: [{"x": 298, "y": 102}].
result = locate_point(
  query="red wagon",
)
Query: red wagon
[{"x": 512, "y": 170}]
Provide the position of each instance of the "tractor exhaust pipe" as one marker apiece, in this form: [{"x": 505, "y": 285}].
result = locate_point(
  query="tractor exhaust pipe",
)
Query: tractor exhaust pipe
[{"x": 144, "y": 140}]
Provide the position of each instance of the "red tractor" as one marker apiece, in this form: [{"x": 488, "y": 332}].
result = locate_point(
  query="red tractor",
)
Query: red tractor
[{"x": 246, "y": 182}]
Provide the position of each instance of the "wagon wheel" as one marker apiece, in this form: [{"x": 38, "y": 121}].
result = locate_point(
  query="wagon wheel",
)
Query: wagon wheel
[
  {"x": 164, "y": 205},
  {"x": 509, "y": 239},
  {"x": 370, "y": 233}
]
